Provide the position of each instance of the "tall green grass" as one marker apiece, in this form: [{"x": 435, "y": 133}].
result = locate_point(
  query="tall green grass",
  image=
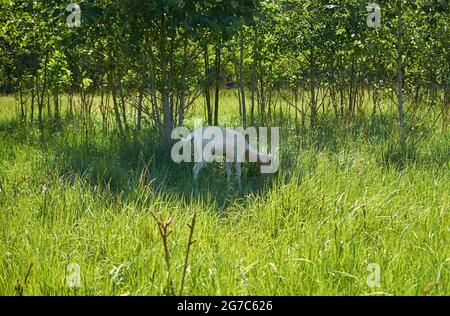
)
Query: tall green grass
[{"x": 340, "y": 201}]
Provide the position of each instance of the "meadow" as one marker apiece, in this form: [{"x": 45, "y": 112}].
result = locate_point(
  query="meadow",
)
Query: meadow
[{"x": 343, "y": 204}]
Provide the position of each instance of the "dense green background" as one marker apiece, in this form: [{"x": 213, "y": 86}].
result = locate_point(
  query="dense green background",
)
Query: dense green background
[{"x": 85, "y": 121}]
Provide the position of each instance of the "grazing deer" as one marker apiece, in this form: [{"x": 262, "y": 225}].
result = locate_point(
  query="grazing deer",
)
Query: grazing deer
[{"x": 228, "y": 145}]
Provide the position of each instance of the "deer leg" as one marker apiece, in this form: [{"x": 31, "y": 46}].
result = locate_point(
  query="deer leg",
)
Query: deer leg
[
  {"x": 196, "y": 169},
  {"x": 238, "y": 174},
  {"x": 228, "y": 166}
]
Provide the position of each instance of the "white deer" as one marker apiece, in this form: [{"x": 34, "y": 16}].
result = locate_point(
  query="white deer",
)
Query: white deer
[{"x": 230, "y": 147}]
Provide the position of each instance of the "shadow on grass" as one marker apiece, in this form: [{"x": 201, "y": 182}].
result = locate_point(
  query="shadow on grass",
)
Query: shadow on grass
[
  {"x": 432, "y": 151},
  {"x": 123, "y": 164}
]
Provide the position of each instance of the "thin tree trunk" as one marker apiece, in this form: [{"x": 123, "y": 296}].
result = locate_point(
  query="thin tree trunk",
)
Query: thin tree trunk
[
  {"x": 313, "y": 89},
  {"x": 39, "y": 103},
  {"x": 217, "y": 83},
  {"x": 154, "y": 93},
  {"x": 262, "y": 98},
  {"x": 41, "y": 95},
  {"x": 303, "y": 113},
  {"x": 123, "y": 104},
  {"x": 170, "y": 79},
  {"x": 375, "y": 102},
  {"x": 335, "y": 105},
  {"x": 71, "y": 104},
  {"x": 241, "y": 78},
  {"x": 22, "y": 110},
  {"x": 32, "y": 105},
  {"x": 103, "y": 110},
  {"x": 139, "y": 110},
  {"x": 446, "y": 114},
  {"x": 349, "y": 116},
  {"x": 165, "y": 95},
  {"x": 400, "y": 73},
  {"x": 112, "y": 88},
  {"x": 49, "y": 110},
  {"x": 56, "y": 104},
  {"x": 296, "y": 108},
  {"x": 184, "y": 82},
  {"x": 207, "y": 86}
]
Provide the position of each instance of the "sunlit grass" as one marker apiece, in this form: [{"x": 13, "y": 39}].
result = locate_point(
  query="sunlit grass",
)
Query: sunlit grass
[{"x": 339, "y": 202}]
